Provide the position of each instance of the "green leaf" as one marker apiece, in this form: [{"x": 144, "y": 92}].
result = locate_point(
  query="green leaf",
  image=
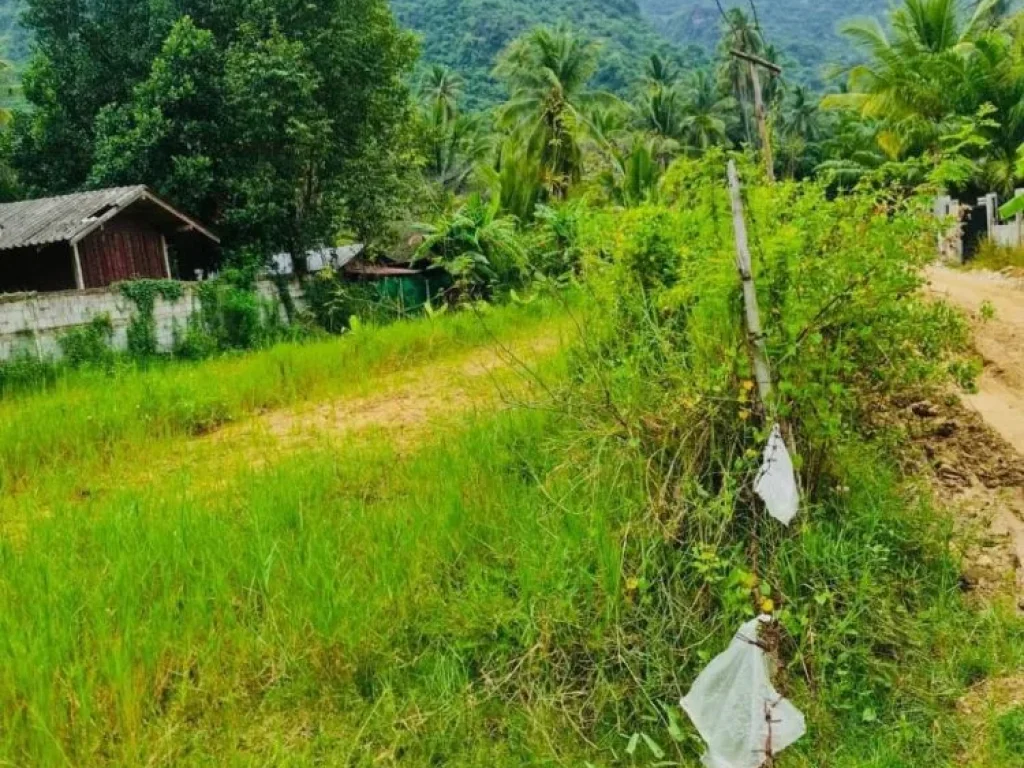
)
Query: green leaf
[
  {"x": 634, "y": 740},
  {"x": 1012, "y": 208},
  {"x": 652, "y": 745}
]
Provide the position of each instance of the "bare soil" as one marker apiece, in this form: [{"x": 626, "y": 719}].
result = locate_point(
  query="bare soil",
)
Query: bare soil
[
  {"x": 995, "y": 303},
  {"x": 403, "y": 403},
  {"x": 978, "y": 451}
]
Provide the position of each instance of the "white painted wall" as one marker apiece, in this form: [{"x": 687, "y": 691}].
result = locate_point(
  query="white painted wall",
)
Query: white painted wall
[{"x": 35, "y": 321}]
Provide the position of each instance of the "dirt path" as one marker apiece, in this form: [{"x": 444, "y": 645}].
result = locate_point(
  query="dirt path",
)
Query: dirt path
[
  {"x": 407, "y": 402},
  {"x": 999, "y": 338},
  {"x": 995, "y": 503}
]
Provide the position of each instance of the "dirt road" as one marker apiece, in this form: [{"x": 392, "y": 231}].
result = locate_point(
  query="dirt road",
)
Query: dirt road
[{"x": 995, "y": 304}]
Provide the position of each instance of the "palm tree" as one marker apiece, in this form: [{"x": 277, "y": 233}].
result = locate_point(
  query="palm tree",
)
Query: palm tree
[
  {"x": 660, "y": 72},
  {"x": 937, "y": 69},
  {"x": 800, "y": 132},
  {"x": 480, "y": 248},
  {"x": 548, "y": 71},
  {"x": 440, "y": 91},
  {"x": 660, "y": 111},
  {"x": 918, "y": 74},
  {"x": 739, "y": 33},
  {"x": 802, "y": 115},
  {"x": 707, "y": 114}
]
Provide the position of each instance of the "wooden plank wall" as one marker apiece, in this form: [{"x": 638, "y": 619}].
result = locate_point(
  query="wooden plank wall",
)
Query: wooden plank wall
[{"x": 124, "y": 249}]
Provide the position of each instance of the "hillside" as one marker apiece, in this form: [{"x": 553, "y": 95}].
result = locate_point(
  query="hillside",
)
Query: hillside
[
  {"x": 13, "y": 39},
  {"x": 467, "y": 35},
  {"x": 806, "y": 30}
]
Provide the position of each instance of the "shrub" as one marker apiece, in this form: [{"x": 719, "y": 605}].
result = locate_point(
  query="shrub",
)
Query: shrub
[
  {"x": 662, "y": 386},
  {"x": 89, "y": 344},
  {"x": 26, "y": 371}
]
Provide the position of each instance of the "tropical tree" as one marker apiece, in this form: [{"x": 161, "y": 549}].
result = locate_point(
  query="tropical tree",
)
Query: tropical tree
[
  {"x": 480, "y": 248},
  {"x": 547, "y": 72},
  {"x": 707, "y": 115},
  {"x": 801, "y": 129},
  {"x": 917, "y": 76},
  {"x": 440, "y": 92}
]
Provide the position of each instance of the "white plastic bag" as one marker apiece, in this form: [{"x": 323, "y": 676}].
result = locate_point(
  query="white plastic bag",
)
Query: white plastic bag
[
  {"x": 738, "y": 713},
  {"x": 776, "y": 482}
]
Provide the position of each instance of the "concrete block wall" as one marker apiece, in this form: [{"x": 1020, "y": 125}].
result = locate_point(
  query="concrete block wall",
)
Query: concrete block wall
[{"x": 34, "y": 322}]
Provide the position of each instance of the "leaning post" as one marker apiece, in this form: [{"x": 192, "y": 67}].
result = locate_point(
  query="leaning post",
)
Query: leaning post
[{"x": 755, "y": 334}]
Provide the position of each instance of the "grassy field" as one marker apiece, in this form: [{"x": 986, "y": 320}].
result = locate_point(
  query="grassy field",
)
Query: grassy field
[{"x": 202, "y": 566}]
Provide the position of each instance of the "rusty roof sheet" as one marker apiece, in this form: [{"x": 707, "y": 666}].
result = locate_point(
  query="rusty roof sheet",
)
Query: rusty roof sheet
[{"x": 68, "y": 218}]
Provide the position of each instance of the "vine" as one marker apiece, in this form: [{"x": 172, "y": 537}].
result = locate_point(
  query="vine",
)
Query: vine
[{"x": 142, "y": 340}]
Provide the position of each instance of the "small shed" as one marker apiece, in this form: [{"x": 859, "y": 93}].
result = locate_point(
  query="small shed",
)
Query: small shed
[{"x": 94, "y": 239}]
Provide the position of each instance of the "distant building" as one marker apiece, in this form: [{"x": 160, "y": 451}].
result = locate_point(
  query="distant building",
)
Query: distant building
[
  {"x": 317, "y": 260},
  {"x": 94, "y": 239}
]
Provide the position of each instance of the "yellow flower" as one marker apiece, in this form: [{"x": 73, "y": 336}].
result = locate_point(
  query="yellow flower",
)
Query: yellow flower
[
  {"x": 744, "y": 414},
  {"x": 767, "y": 605}
]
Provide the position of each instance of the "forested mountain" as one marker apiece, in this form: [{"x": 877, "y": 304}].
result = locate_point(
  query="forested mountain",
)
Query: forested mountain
[
  {"x": 13, "y": 39},
  {"x": 468, "y": 35},
  {"x": 804, "y": 30}
]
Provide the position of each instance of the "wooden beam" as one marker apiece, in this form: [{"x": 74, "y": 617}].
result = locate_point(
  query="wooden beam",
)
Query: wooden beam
[
  {"x": 79, "y": 277},
  {"x": 772, "y": 67},
  {"x": 167, "y": 260},
  {"x": 755, "y": 334}
]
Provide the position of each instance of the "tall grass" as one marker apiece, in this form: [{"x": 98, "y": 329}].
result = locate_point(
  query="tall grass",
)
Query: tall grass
[
  {"x": 531, "y": 587},
  {"x": 97, "y": 414}
]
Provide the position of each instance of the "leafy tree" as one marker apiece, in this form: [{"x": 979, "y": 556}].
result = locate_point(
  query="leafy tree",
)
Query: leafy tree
[{"x": 278, "y": 123}]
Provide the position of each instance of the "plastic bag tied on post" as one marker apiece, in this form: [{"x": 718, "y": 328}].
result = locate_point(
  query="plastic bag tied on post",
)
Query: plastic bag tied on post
[
  {"x": 776, "y": 481},
  {"x": 737, "y": 711}
]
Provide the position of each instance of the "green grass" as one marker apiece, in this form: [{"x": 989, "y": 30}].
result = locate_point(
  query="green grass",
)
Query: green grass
[
  {"x": 508, "y": 588},
  {"x": 99, "y": 415},
  {"x": 354, "y": 606}
]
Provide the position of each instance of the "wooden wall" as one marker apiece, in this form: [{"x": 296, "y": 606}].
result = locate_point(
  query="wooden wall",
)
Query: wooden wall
[{"x": 124, "y": 249}]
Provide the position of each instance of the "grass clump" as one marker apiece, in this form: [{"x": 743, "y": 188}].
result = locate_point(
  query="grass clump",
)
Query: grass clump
[{"x": 995, "y": 257}]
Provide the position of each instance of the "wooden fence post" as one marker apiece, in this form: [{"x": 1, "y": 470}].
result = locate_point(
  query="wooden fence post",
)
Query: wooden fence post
[{"x": 755, "y": 335}]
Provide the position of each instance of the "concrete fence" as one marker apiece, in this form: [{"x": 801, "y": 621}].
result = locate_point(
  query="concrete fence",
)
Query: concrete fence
[{"x": 35, "y": 322}]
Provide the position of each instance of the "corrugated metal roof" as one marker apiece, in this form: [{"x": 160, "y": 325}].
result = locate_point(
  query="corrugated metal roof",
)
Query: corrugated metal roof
[
  {"x": 68, "y": 217},
  {"x": 58, "y": 219}
]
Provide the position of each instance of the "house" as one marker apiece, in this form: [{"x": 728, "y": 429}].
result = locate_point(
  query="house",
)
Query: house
[{"x": 94, "y": 239}]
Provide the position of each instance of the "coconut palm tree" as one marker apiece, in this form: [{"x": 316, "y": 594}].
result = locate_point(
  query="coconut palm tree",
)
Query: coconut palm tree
[
  {"x": 548, "y": 71},
  {"x": 938, "y": 68},
  {"x": 440, "y": 91},
  {"x": 706, "y": 114},
  {"x": 918, "y": 73}
]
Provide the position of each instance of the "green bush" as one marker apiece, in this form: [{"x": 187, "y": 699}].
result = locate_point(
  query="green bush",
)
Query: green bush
[
  {"x": 26, "y": 371},
  {"x": 89, "y": 344},
  {"x": 662, "y": 387}
]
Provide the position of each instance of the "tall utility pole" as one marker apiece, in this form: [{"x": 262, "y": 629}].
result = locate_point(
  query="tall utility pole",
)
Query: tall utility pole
[{"x": 774, "y": 70}]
